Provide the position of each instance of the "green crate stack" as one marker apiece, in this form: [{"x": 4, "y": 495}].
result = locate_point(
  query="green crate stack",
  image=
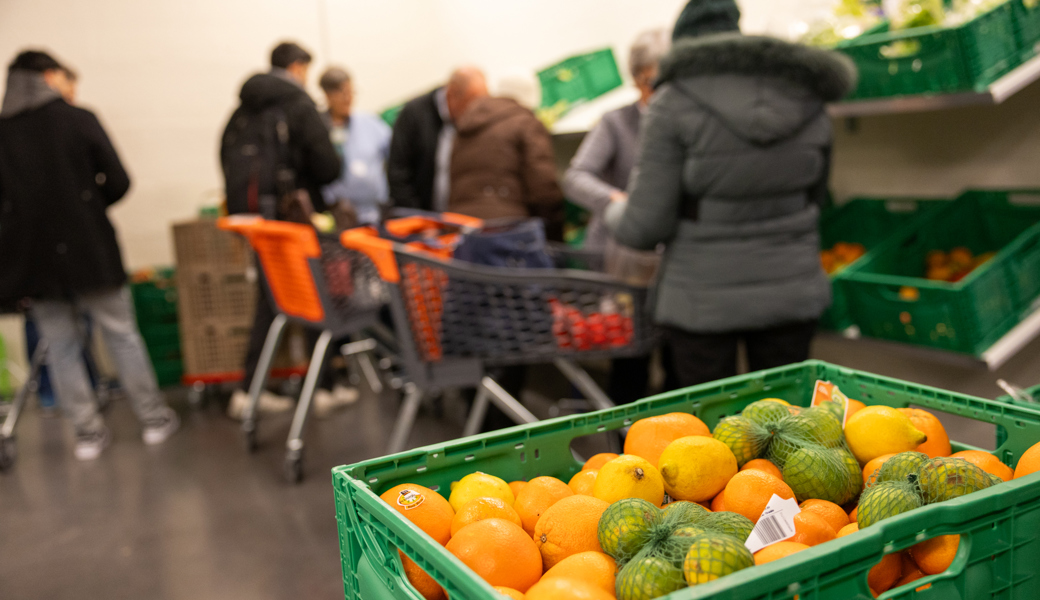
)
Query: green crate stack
[
  {"x": 1026, "y": 16},
  {"x": 866, "y": 221},
  {"x": 578, "y": 79},
  {"x": 936, "y": 59},
  {"x": 1000, "y": 526},
  {"x": 155, "y": 301},
  {"x": 890, "y": 299}
]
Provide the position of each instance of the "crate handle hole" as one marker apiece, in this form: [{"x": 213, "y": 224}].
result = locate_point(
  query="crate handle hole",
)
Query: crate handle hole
[
  {"x": 421, "y": 470},
  {"x": 519, "y": 446},
  {"x": 523, "y": 457},
  {"x": 469, "y": 457},
  {"x": 537, "y": 453}
]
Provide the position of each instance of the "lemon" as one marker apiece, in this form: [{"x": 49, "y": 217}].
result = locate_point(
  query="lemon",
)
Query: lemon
[
  {"x": 479, "y": 485},
  {"x": 696, "y": 468},
  {"x": 714, "y": 556},
  {"x": 746, "y": 440},
  {"x": 877, "y": 430},
  {"x": 629, "y": 476}
]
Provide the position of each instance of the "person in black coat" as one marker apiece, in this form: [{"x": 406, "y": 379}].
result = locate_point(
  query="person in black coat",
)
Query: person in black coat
[
  {"x": 59, "y": 173},
  {"x": 412, "y": 166},
  {"x": 313, "y": 157}
]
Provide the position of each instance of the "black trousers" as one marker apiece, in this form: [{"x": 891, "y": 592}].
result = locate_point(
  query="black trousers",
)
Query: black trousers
[
  {"x": 703, "y": 357},
  {"x": 630, "y": 377}
]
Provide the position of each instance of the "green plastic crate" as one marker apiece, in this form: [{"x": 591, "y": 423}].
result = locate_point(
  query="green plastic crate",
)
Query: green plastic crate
[
  {"x": 168, "y": 372},
  {"x": 390, "y": 115},
  {"x": 1026, "y": 22},
  {"x": 579, "y": 78},
  {"x": 155, "y": 301},
  {"x": 161, "y": 334},
  {"x": 1000, "y": 549},
  {"x": 935, "y": 60},
  {"x": 889, "y": 298},
  {"x": 867, "y": 221}
]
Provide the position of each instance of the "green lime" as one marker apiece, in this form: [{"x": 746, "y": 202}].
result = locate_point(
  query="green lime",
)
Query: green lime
[
  {"x": 745, "y": 439},
  {"x": 648, "y": 578},
  {"x": 730, "y": 523},
  {"x": 886, "y": 499},
  {"x": 624, "y": 528},
  {"x": 947, "y": 478},
  {"x": 898, "y": 467},
  {"x": 765, "y": 412},
  {"x": 711, "y": 557}
]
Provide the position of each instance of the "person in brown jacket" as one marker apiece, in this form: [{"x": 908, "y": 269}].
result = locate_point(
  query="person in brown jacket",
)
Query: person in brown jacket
[{"x": 502, "y": 165}]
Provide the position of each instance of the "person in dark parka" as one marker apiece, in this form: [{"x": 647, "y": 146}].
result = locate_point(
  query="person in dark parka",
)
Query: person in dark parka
[
  {"x": 59, "y": 173},
  {"x": 734, "y": 162},
  {"x": 412, "y": 166}
]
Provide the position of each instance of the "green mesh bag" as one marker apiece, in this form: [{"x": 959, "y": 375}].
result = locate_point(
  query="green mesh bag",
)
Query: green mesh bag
[
  {"x": 653, "y": 561},
  {"x": 711, "y": 557},
  {"x": 888, "y": 499},
  {"x": 898, "y": 467},
  {"x": 628, "y": 525},
  {"x": 808, "y": 447},
  {"x": 944, "y": 479}
]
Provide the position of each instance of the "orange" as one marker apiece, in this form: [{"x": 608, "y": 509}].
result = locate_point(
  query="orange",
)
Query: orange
[
  {"x": 509, "y": 592},
  {"x": 873, "y": 465},
  {"x": 854, "y": 406},
  {"x": 516, "y": 486},
  {"x": 566, "y": 588},
  {"x": 938, "y": 443},
  {"x": 569, "y": 527},
  {"x": 852, "y": 515},
  {"x": 831, "y": 512},
  {"x": 425, "y": 508},
  {"x": 598, "y": 460},
  {"x": 718, "y": 504},
  {"x": 748, "y": 493},
  {"x": 847, "y": 530},
  {"x": 886, "y": 573},
  {"x": 936, "y": 555},
  {"x": 911, "y": 577},
  {"x": 647, "y": 438},
  {"x": 537, "y": 496},
  {"x": 591, "y": 567},
  {"x": 583, "y": 481},
  {"x": 909, "y": 566},
  {"x": 1029, "y": 463},
  {"x": 427, "y": 586},
  {"x": 811, "y": 529},
  {"x": 987, "y": 462},
  {"x": 499, "y": 552},
  {"x": 764, "y": 465},
  {"x": 479, "y": 509},
  {"x": 777, "y": 551}
]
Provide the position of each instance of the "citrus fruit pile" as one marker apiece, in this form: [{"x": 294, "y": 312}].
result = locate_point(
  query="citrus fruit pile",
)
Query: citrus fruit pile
[
  {"x": 954, "y": 265},
  {"x": 677, "y": 506},
  {"x": 840, "y": 256}
]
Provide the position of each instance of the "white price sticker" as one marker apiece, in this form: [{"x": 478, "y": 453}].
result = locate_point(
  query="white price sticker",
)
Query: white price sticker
[{"x": 775, "y": 525}]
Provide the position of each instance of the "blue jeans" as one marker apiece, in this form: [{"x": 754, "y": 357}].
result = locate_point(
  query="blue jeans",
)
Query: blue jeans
[
  {"x": 112, "y": 312},
  {"x": 45, "y": 391}
]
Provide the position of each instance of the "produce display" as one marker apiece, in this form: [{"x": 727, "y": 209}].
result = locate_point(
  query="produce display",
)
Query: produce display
[
  {"x": 841, "y": 255},
  {"x": 954, "y": 265},
  {"x": 683, "y": 506}
]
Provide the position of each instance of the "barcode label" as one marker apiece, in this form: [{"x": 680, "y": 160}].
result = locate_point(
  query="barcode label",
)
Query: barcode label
[{"x": 776, "y": 524}]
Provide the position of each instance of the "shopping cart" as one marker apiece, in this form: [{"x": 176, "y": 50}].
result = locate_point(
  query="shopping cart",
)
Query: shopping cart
[
  {"x": 29, "y": 383},
  {"x": 456, "y": 320},
  {"x": 316, "y": 282}
]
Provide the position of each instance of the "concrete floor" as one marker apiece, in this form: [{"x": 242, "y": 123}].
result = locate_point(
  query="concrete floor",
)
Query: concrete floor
[{"x": 199, "y": 519}]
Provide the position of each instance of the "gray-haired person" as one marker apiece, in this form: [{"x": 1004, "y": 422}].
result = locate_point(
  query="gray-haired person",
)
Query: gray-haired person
[
  {"x": 599, "y": 172},
  {"x": 598, "y": 177}
]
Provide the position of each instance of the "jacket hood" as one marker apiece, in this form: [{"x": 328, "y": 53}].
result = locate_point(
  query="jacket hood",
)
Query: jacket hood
[
  {"x": 485, "y": 111},
  {"x": 763, "y": 89},
  {"x": 26, "y": 90},
  {"x": 266, "y": 89}
]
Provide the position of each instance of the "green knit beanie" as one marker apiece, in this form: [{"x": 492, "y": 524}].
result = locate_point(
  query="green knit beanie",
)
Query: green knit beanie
[{"x": 703, "y": 17}]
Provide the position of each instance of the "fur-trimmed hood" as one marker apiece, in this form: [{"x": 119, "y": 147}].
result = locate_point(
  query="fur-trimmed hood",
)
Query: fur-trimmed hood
[
  {"x": 829, "y": 75},
  {"x": 764, "y": 90}
]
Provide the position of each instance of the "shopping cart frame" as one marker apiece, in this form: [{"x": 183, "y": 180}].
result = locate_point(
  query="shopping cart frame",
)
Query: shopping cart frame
[
  {"x": 294, "y": 258},
  {"x": 391, "y": 257}
]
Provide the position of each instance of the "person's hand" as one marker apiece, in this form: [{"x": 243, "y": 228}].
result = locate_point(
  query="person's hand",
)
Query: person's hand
[{"x": 618, "y": 196}]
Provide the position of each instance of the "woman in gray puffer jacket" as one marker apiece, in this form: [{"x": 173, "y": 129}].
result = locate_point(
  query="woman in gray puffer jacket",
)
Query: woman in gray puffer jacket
[{"x": 734, "y": 162}]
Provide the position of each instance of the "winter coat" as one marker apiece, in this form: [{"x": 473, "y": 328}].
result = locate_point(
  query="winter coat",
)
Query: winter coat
[
  {"x": 312, "y": 155},
  {"x": 502, "y": 165},
  {"x": 734, "y": 161},
  {"x": 58, "y": 175},
  {"x": 412, "y": 165},
  {"x": 602, "y": 165}
]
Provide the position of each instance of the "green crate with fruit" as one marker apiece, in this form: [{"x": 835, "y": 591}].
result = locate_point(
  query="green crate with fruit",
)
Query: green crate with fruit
[
  {"x": 851, "y": 230},
  {"x": 699, "y": 504},
  {"x": 958, "y": 280}
]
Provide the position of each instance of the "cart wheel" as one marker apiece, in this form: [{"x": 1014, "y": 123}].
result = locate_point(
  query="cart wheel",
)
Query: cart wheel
[
  {"x": 7, "y": 453},
  {"x": 196, "y": 396},
  {"x": 294, "y": 468},
  {"x": 249, "y": 435}
]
